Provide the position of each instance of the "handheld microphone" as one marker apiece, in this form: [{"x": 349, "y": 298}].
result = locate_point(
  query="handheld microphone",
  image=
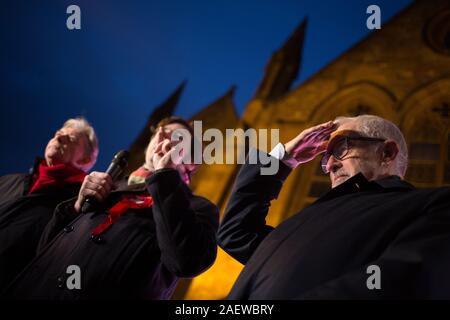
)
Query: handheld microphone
[{"x": 115, "y": 169}]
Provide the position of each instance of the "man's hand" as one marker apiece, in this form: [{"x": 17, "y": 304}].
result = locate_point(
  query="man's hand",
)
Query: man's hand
[
  {"x": 310, "y": 142},
  {"x": 97, "y": 185}
]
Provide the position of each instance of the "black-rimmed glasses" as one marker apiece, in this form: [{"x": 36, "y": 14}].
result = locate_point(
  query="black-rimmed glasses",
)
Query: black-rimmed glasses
[{"x": 340, "y": 149}]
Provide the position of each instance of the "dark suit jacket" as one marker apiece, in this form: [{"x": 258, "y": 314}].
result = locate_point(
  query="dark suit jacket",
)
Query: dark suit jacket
[
  {"x": 324, "y": 250},
  {"x": 141, "y": 256}
]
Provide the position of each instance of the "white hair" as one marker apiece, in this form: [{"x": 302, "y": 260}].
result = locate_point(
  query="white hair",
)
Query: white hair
[
  {"x": 91, "y": 149},
  {"x": 377, "y": 127}
]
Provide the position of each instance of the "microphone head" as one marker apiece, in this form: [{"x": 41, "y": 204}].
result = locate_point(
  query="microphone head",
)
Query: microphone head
[
  {"x": 118, "y": 164},
  {"x": 121, "y": 158}
]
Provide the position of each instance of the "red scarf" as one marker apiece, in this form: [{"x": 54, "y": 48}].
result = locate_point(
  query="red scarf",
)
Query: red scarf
[
  {"x": 58, "y": 175},
  {"x": 127, "y": 201}
]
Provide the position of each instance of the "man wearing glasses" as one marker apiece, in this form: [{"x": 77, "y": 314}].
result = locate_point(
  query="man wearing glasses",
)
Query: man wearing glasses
[{"x": 370, "y": 221}]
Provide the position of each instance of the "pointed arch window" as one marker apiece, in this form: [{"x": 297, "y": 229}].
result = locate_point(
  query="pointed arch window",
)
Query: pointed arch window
[
  {"x": 437, "y": 32},
  {"x": 429, "y": 148}
]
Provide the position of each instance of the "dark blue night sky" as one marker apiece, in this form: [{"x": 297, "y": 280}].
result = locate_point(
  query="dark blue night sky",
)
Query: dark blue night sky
[{"x": 130, "y": 55}]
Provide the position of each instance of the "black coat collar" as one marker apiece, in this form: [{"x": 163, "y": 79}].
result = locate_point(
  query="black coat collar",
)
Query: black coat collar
[
  {"x": 393, "y": 182},
  {"x": 359, "y": 183}
]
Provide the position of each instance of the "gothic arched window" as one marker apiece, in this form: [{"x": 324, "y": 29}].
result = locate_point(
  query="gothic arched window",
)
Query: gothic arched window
[
  {"x": 437, "y": 32},
  {"x": 429, "y": 148}
]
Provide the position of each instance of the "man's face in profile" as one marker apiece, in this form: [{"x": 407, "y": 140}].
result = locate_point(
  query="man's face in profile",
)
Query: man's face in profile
[{"x": 67, "y": 146}]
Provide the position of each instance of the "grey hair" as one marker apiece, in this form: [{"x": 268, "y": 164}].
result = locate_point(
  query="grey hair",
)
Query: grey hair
[
  {"x": 377, "y": 127},
  {"x": 82, "y": 125}
]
